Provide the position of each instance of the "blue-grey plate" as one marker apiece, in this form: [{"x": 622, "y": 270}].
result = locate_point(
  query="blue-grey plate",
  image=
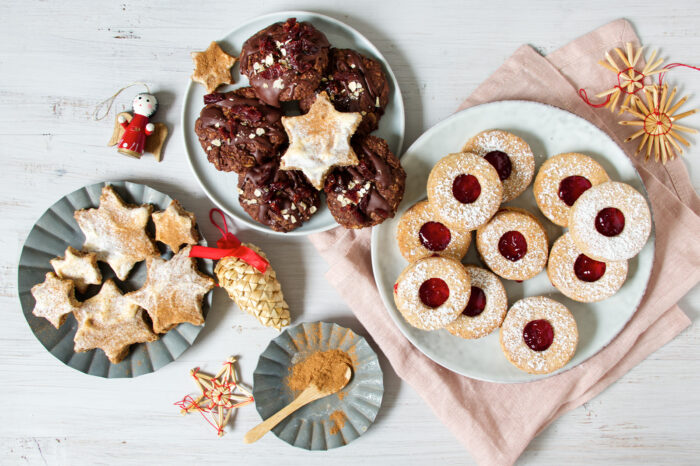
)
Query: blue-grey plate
[
  {"x": 312, "y": 427},
  {"x": 55, "y": 230}
]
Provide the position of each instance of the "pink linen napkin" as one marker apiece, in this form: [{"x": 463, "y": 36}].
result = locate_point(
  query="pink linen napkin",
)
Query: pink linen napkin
[{"x": 496, "y": 422}]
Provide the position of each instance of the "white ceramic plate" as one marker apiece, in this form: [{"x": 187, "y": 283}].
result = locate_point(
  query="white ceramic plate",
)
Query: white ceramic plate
[
  {"x": 221, "y": 187},
  {"x": 549, "y": 131}
]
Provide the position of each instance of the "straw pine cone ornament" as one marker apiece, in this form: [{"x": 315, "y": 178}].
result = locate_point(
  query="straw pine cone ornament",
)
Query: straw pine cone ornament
[{"x": 256, "y": 293}]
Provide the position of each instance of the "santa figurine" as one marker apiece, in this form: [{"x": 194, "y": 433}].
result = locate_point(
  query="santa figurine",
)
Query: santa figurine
[{"x": 133, "y": 141}]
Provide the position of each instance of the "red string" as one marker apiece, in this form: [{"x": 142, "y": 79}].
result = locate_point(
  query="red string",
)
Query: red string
[
  {"x": 584, "y": 96},
  {"x": 675, "y": 65}
]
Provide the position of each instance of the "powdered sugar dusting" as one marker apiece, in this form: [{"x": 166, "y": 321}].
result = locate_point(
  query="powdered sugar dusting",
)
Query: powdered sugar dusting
[
  {"x": 561, "y": 273},
  {"x": 552, "y": 172},
  {"x": 637, "y": 222},
  {"x": 409, "y": 303},
  {"x": 562, "y": 348},
  {"x": 519, "y": 152}
]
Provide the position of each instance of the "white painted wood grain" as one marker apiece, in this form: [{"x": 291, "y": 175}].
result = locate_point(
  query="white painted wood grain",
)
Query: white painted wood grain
[{"x": 59, "y": 59}]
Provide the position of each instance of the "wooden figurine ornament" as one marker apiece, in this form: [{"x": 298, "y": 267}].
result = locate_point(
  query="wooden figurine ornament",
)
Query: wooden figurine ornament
[{"x": 134, "y": 135}]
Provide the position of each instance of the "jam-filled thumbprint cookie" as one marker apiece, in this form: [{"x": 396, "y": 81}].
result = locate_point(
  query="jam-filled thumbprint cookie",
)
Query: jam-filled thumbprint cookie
[
  {"x": 368, "y": 193},
  {"x": 420, "y": 234},
  {"x": 510, "y": 156},
  {"x": 539, "y": 335},
  {"x": 513, "y": 244},
  {"x": 464, "y": 191},
  {"x": 486, "y": 308},
  {"x": 581, "y": 278},
  {"x": 285, "y": 61},
  {"x": 432, "y": 292},
  {"x": 560, "y": 182},
  {"x": 610, "y": 222}
]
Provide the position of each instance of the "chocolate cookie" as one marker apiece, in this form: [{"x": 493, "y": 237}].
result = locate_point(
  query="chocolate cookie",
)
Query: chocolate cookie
[
  {"x": 354, "y": 83},
  {"x": 280, "y": 199},
  {"x": 368, "y": 193},
  {"x": 285, "y": 61},
  {"x": 237, "y": 131}
]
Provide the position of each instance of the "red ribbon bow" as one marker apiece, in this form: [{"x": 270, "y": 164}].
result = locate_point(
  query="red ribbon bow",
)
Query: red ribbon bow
[{"x": 229, "y": 245}]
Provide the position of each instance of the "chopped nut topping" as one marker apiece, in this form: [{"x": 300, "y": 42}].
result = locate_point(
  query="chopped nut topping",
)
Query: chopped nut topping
[
  {"x": 216, "y": 142},
  {"x": 251, "y": 136},
  {"x": 269, "y": 60},
  {"x": 257, "y": 193},
  {"x": 260, "y": 131},
  {"x": 278, "y": 84},
  {"x": 312, "y": 209}
]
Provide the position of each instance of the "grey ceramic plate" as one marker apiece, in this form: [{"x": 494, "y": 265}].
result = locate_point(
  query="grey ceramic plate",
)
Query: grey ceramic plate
[
  {"x": 549, "y": 131},
  {"x": 311, "y": 427},
  {"x": 55, "y": 230},
  {"x": 221, "y": 186}
]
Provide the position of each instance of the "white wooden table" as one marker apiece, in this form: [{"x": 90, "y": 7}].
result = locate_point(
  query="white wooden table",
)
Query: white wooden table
[{"x": 59, "y": 59}]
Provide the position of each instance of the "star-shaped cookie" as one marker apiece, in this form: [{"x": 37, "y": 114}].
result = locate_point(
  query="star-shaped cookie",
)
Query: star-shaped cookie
[
  {"x": 175, "y": 226},
  {"x": 320, "y": 140},
  {"x": 110, "y": 322},
  {"x": 55, "y": 299},
  {"x": 212, "y": 67},
  {"x": 79, "y": 266},
  {"x": 173, "y": 291},
  {"x": 116, "y": 232}
]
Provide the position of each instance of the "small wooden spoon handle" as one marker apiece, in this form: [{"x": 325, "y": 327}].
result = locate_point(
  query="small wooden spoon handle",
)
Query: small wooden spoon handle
[{"x": 306, "y": 397}]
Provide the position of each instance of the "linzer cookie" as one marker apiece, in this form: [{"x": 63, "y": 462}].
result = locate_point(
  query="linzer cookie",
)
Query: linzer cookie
[
  {"x": 581, "y": 278},
  {"x": 354, "y": 83},
  {"x": 285, "y": 61},
  {"x": 116, "y": 232},
  {"x": 79, "y": 266},
  {"x": 368, "y": 193},
  {"x": 432, "y": 292},
  {"x": 561, "y": 180},
  {"x": 237, "y": 131},
  {"x": 173, "y": 291},
  {"x": 421, "y": 234},
  {"x": 513, "y": 244},
  {"x": 539, "y": 335},
  {"x": 464, "y": 191},
  {"x": 610, "y": 222},
  {"x": 280, "y": 199},
  {"x": 110, "y": 322},
  {"x": 510, "y": 156},
  {"x": 54, "y": 299},
  {"x": 486, "y": 308},
  {"x": 175, "y": 226}
]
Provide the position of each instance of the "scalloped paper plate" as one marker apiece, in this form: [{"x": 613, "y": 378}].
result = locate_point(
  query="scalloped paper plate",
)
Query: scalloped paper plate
[
  {"x": 55, "y": 230},
  {"x": 311, "y": 427}
]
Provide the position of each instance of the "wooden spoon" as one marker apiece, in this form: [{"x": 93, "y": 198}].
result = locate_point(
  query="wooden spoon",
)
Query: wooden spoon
[{"x": 311, "y": 393}]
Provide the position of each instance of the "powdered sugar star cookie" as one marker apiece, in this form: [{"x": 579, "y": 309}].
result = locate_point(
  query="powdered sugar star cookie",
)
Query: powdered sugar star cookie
[
  {"x": 175, "y": 226},
  {"x": 110, "y": 322},
  {"x": 79, "y": 266},
  {"x": 320, "y": 140},
  {"x": 173, "y": 291},
  {"x": 212, "y": 67},
  {"x": 116, "y": 232},
  {"x": 55, "y": 299}
]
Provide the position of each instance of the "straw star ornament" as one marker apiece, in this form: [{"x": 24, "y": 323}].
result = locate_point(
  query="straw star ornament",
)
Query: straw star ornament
[{"x": 658, "y": 121}]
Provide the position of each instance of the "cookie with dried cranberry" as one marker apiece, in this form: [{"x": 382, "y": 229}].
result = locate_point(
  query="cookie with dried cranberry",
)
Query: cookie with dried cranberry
[
  {"x": 237, "y": 131},
  {"x": 354, "y": 83},
  {"x": 285, "y": 61},
  {"x": 368, "y": 193},
  {"x": 280, "y": 199}
]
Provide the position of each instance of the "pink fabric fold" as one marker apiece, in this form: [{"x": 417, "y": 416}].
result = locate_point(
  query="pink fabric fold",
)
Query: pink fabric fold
[{"x": 496, "y": 422}]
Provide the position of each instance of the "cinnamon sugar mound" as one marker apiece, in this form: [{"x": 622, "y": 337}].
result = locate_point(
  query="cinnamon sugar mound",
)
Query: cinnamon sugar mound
[
  {"x": 324, "y": 369},
  {"x": 338, "y": 418}
]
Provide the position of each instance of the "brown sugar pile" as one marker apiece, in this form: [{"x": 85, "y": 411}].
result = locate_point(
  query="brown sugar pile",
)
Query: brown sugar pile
[{"x": 325, "y": 369}]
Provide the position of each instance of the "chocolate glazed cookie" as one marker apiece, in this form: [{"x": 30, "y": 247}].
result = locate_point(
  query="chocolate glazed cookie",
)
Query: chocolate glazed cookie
[
  {"x": 285, "y": 61},
  {"x": 280, "y": 199},
  {"x": 368, "y": 193},
  {"x": 238, "y": 132},
  {"x": 354, "y": 83}
]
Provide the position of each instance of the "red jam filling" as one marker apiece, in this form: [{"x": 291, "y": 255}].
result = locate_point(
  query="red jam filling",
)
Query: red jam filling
[
  {"x": 512, "y": 245},
  {"x": 476, "y": 304},
  {"x": 587, "y": 269},
  {"x": 571, "y": 187},
  {"x": 501, "y": 162},
  {"x": 433, "y": 292},
  {"x": 466, "y": 188},
  {"x": 538, "y": 335},
  {"x": 610, "y": 222},
  {"x": 434, "y": 236}
]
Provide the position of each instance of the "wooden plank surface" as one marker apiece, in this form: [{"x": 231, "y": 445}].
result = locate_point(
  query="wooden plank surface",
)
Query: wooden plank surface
[{"x": 59, "y": 59}]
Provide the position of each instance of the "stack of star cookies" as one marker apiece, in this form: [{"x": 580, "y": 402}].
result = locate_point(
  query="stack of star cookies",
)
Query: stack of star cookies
[{"x": 116, "y": 234}]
